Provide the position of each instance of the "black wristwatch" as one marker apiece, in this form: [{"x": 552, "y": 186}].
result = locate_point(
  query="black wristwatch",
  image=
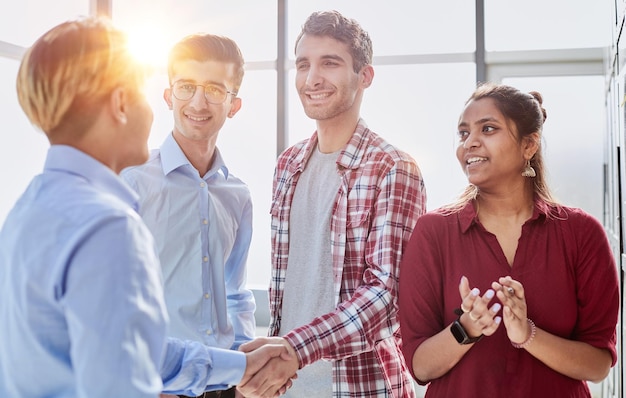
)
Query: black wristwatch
[{"x": 460, "y": 334}]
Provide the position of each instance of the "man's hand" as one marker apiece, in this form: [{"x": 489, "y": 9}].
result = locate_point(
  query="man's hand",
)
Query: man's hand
[{"x": 268, "y": 376}]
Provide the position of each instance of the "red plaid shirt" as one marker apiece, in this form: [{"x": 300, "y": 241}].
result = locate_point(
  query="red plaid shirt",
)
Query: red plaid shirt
[{"x": 380, "y": 198}]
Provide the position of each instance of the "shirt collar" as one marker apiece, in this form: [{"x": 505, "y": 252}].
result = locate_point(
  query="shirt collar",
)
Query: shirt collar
[
  {"x": 469, "y": 217},
  {"x": 172, "y": 157},
  {"x": 351, "y": 155},
  {"x": 71, "y": 160}
]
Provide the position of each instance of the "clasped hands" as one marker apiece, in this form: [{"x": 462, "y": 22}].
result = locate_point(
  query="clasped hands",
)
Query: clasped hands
[
  {"x": 271, "y": 365},
  {"x": 479, "y": 318}
]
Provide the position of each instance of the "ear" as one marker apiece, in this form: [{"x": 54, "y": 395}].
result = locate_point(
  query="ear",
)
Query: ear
[
  {"x": 234, "y": 107},
  {"x": 118, "y": 104},
  {"x": 367, "y": 75},
  {"x": 530, "y": 145},
  {"x": 167, "y": 96}
]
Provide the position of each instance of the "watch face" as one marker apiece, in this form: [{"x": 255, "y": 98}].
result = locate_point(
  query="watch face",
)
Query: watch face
[{"x": 459, "y": 333}]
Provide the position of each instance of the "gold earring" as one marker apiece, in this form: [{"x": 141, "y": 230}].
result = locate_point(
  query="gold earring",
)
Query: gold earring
[{"x": 528, "y": 170}]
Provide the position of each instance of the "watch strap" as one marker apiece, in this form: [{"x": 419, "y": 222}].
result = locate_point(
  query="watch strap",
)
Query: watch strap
[{"x": 460, "y": 334}]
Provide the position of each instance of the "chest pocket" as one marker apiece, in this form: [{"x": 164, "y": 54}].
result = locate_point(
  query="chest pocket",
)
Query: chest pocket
[
  {"x": 358, "y": 225},
  {"x": 358, "y": 217}
]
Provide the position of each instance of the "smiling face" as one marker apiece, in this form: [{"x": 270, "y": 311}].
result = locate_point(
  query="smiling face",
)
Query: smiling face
[
  {"x": 196, "y": 119},
  {"x": 489, "y": 150},
  {"x": 325, "y": 79}
]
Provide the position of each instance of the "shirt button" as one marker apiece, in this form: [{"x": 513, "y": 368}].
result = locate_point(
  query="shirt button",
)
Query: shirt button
[
  {"x": 208, "y": 332},
  {"x": 205, "y": 259},
  {"x": 202, "y": 184},
  {"x": 205, "y": 221},
  {"x": 206, "y": 295}
]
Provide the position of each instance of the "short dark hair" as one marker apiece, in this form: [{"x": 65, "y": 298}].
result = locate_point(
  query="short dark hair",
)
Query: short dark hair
[
  {"x": 206, "y": 47},
  {"x": 345, "y": 30}
]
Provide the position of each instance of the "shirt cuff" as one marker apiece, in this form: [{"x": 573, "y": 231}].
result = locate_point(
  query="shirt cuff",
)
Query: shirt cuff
[{"x": 228, "y": 367}]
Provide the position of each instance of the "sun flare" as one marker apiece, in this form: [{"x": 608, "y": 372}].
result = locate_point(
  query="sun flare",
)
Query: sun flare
[{"x": 149, "y": 45}]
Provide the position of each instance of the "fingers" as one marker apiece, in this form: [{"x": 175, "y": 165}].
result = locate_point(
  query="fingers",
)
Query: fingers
[
  {"x": 495, "y": 320},
  {"x": 467, "y": 296},
  {"x": 482, "y": 316},
  {"x": 464, "y": 288},
  {"x": 268, "y": 381},
  {"x": 261, "y": 341},
  {"x": 254, "y": 344},
  {"x": 479, "y": 317},
  {"x": 480, "y": 304},
  {"x": 486, "y": 322},
  {"x": 258, "y": 358},
  {"x": 515, "y": 312},
  {"x": 286, "y": 386},
  {"x": 269, "y": 368},
  {"x": 509, "y": 287},
  {"x": 511, "y": 294}
]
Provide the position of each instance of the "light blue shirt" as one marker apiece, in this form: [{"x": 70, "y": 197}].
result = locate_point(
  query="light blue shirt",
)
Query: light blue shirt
[
  {"x": 202, "y": 228},
  {"x": 82, "y": 311}
]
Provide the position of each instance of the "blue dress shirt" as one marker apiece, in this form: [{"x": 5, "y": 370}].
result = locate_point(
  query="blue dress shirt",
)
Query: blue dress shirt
[
  {"x": 202, "y": 227},
  {"x": 82, "y": 311}
]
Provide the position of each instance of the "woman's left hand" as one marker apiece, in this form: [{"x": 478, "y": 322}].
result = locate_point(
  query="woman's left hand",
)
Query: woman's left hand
[{"x": 514, "y": 311}]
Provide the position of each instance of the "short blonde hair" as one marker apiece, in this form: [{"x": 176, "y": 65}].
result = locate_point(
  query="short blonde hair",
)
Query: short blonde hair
[{"x": 71, "y": 69}]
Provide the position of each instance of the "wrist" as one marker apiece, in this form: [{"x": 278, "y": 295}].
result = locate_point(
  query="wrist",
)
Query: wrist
[
  {"x": 531, "y": 336},
  {"x": 460, "y": 333}
]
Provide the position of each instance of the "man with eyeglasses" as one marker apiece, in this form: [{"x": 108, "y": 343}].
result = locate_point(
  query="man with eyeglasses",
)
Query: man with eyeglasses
[{"x": 199, "y": 213}]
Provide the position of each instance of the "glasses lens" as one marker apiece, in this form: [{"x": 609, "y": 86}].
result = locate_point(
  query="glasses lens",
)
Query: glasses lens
[
  {"x": 184, "y": 91},
  {"x": 215, "y": 94}
]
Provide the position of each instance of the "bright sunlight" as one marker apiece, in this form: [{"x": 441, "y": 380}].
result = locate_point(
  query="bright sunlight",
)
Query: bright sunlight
[{"x": 149, "y": 45}]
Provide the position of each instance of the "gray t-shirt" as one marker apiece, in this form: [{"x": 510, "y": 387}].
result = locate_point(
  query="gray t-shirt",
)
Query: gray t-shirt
[{"x": 309, "y": 277}]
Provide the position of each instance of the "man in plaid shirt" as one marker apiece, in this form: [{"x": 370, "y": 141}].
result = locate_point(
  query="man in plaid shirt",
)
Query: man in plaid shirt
[{"x": 344, "y": 205}]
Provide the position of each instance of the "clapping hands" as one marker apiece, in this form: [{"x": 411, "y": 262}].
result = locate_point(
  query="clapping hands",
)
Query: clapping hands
[{"x": 483, "y": 318}]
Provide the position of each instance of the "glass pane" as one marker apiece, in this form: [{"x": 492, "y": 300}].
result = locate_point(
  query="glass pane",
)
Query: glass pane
[
  {"x": 540, "y": 24},
  {"x": 399, "y": 27},
  {"x": 573, "y": 146},
  {"x": 416, "y": 108},
  {"x": 251, "y": 23},
  {"x": 417, "y": 114},
  {"x": 22, "y": 147},
  {"x": 24, "y": 21},
  {"x": 248, "y": 144}
]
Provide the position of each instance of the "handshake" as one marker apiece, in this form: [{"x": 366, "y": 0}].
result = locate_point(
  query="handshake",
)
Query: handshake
[{"x": 271, "y": 365}]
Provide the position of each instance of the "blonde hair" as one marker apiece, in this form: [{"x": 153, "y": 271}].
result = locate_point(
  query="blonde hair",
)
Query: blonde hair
[{"x": 71, "y": 69}]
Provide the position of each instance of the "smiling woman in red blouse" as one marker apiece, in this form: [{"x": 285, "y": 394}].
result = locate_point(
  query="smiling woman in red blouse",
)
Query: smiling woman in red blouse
[{"x": 507, "y": 293}]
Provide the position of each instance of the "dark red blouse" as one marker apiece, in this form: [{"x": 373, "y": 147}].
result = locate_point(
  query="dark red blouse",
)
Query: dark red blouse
[{"x": 570, "y": 282}]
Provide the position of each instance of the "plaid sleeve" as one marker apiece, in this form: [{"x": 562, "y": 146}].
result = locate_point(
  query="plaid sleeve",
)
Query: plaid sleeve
[{"x": 382, "y": 205}]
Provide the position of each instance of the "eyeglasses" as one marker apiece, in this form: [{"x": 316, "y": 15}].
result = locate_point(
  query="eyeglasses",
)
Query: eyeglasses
[{"x": 184, "y": 91}]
